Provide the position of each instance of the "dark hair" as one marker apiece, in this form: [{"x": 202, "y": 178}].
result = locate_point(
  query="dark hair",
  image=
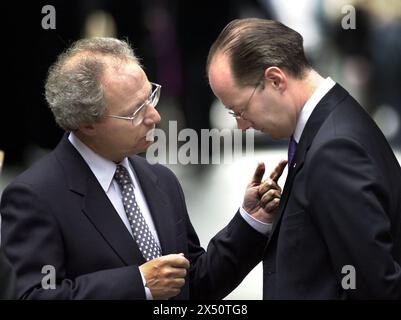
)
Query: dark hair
[{"x": 256, "y": 44}]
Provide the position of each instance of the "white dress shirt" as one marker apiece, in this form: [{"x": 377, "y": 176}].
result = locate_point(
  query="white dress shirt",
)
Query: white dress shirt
[
  {"x": 104, "y": 170},
  {"x": 310, "y": 105},
  {"x": 306, "y": 111}
]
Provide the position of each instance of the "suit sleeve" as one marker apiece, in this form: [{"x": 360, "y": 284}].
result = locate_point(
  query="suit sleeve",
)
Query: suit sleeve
[
  {"x": 229, "y": 257},
  {"x": 349, "y": 200},
  {"x": 7, "y": 278},
  {"x": 32, "y": 239}
]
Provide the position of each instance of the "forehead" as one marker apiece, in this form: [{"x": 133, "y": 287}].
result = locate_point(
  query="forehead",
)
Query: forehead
[
  {"x": 124, "y": 75},
  {"x": 222, "y": 82},
  {"x": 125, "y": 86},
  {"x": 220, "y": 75}
]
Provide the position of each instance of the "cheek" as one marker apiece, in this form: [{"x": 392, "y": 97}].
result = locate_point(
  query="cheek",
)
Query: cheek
[
  {"x": 114, "y": 135},
  {"x": 274, "y": 112},
  {"x": 131, "y": 138},
  {"x": 263, "y": 115}
]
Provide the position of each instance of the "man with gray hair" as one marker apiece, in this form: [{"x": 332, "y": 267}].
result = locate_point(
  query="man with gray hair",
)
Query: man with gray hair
[{"x": 92, "y": 220}]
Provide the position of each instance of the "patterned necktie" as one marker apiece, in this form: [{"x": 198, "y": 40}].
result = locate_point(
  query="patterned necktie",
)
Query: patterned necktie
[
  {"x": 139, "y": 227},
  {"x": 291, "y": 150}
]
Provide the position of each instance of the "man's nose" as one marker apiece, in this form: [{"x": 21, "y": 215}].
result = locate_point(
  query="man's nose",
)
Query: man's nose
[{"x": 152, "y": 116}]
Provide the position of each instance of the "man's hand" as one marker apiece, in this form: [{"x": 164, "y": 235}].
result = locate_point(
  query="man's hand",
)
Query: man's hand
[
  {"x": 270, "y": 191},
  {"x": 165, "y": 275},
  {"x": 262, "y": 199}
]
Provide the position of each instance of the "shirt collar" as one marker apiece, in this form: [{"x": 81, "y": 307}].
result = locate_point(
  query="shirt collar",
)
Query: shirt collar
[
  {"x": 102, "y": 168},
  {"x": 310, "y": 105}
]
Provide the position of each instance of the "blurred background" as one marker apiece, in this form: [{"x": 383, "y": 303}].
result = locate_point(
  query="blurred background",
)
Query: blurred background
[{"x": 173, "y": 38}]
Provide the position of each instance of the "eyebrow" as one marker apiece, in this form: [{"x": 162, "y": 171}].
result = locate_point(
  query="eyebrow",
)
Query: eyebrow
[{"x": 132, "y": 109}]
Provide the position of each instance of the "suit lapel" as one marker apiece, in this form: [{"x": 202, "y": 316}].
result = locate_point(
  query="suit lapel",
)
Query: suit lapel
[
  {"x": 315, "y": 121},
  {"x": 158, "y": 204},
  {"x": 98, "y": 208},
  {"x": 96, "y": 205}
]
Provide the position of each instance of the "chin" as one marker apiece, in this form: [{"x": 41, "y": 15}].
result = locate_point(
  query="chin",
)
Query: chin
[
  {"x": 276, "y": 136},
  {"x": 143, "y": 146},
  {"x": 282, "y": 137},
  {"x": 265, "y": 131}
]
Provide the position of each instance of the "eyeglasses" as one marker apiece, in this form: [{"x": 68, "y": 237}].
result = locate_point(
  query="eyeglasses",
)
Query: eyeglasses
[
  {"x": 240, "y": 115},
  {"x": 139, "y": 114}
]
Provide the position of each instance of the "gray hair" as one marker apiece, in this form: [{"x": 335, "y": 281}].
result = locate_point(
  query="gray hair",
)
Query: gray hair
[{"x": 73, "y": 86}]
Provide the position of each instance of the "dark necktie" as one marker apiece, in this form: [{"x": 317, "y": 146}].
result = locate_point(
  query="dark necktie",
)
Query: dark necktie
[
  {"x": 292, "y": 147},
  {"x": 143, "y": 237}
]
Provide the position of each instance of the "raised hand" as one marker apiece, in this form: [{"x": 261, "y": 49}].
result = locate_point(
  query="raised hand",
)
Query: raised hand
[
  {"x": 262, "y": 199},
  {"x": 270, "y": 191}
]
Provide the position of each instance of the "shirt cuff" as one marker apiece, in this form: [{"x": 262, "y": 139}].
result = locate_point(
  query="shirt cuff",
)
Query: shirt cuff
[
  {"x": 262, "y": 227},
  {"x": 148, "y": 293}
]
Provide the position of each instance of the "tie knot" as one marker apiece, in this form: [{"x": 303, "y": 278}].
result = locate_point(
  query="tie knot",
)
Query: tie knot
[{"x": 121, "y": 175}]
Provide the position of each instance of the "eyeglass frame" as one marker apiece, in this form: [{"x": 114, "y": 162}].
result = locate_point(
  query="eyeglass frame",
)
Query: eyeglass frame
[
  {"x": 240, "y": 115},
  {"x": 143, "y": 105}
]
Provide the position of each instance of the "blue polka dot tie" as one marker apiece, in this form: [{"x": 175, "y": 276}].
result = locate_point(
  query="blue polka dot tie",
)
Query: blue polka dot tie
[{"x": 143, "y": 237}]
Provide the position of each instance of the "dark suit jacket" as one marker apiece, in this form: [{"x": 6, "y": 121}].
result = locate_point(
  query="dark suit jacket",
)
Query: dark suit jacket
[
  {"x": 7, "y": 278},
  {"x": 341, "y": 205},
  {"x": 56, "y": 213}
]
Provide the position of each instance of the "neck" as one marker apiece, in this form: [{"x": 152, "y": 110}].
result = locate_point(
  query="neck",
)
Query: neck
[
  {"x": 300, "y": 91},
  {"x": 97, "y": 147},
  {"x": 305, "y": 87}
]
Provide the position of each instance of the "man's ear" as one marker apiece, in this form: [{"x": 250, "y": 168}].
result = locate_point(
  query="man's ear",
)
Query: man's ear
[
  {"x": 88, "y": 129},
  {"x": 276, "y": 77}
]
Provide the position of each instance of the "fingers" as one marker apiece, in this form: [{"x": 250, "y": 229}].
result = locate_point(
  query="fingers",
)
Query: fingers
[
  {"x": 278, "y": 171},
  {"x": 165, "y": 275},
  {"x": 267, "y": 185},
  {"x": 169, "y": 275},
  {"x": 269, "y": 196},
  {"x": 258, "y": 175},
  {"x": 176, "y": 260},
  {"x": 269, "y": 191},
  {"x": 177, "y": 273},
  {"x": 270, "y": 200},
  {"x": 271, "y": 206},
  {"x": 271, "y": 183},
  {"x": 177, "y": 283}
]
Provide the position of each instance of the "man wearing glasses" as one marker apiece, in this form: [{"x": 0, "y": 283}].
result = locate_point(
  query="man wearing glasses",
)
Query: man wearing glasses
[
  {"x": 337, "y": 232},
  {"x": 104, "y": 223}
]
